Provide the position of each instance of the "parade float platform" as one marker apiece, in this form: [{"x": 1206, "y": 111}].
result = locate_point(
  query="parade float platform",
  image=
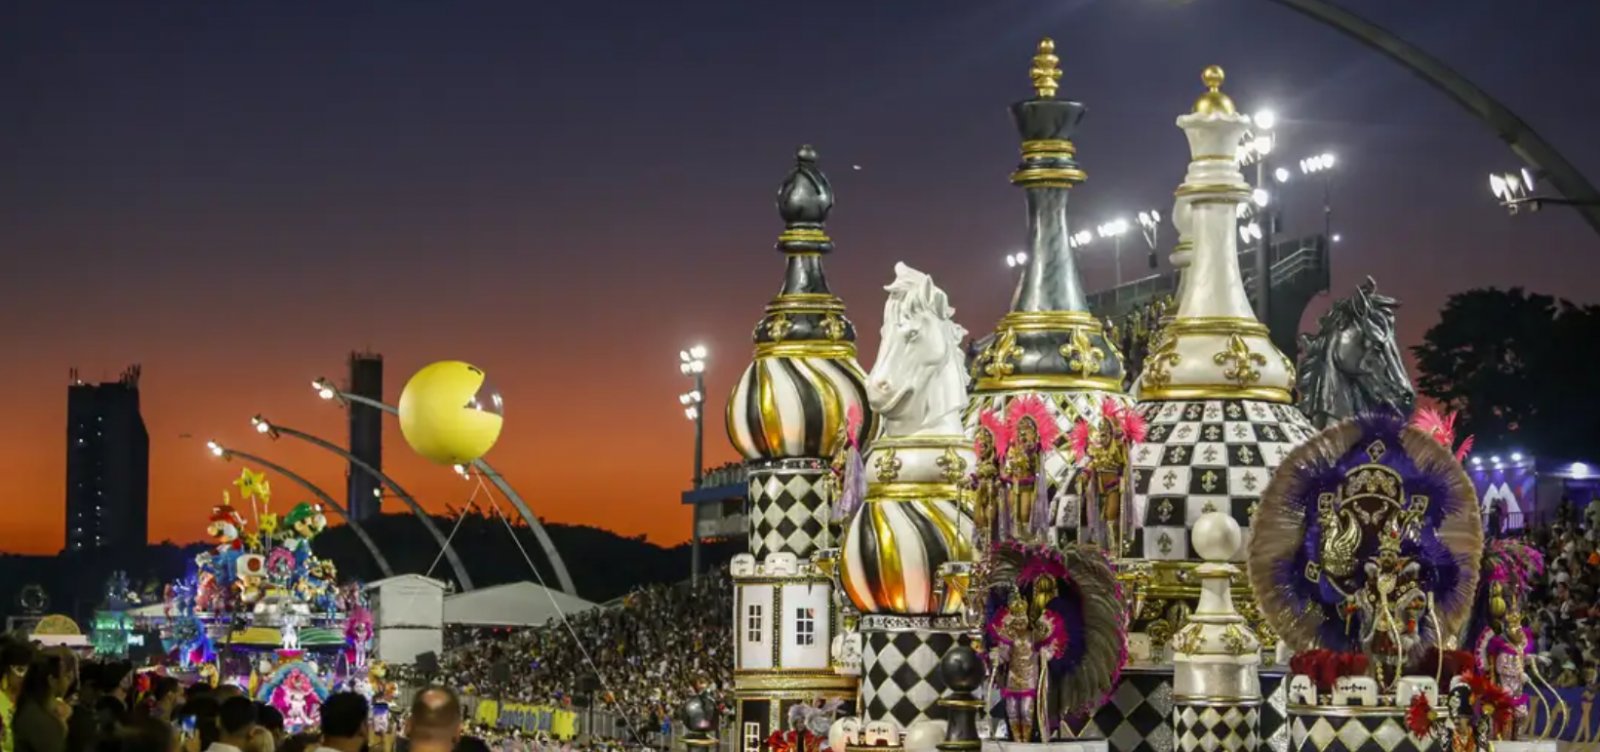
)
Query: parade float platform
[
  {"x": 1077, "y": 745},
  {"x": 1353, "y": 728},
  {"x": 1138, "y": 716}
]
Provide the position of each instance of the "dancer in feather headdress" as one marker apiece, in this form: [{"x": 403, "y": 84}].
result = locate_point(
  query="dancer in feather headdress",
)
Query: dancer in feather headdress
[
  {"x": 1101, "y": 453},
  {"x": 1033, "y": 433},
  {"x": 1077, "y": 590},
  {"x": 1368, "y": 538},
  {"x": 990, "y": 443},
  {"x": 1503, "y": 646},
  {"x": 1442, "y": 427}
]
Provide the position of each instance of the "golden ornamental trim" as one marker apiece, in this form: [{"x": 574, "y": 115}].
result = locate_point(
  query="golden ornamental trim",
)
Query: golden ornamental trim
[
  {"x": 1214, "y": 391},
  {"x": 1000, "y": 352},
  {"x": 778, "y": 327},
  {"x": 1240, "y": 190},
  {"x": 833, "y": 326},
  {"x": 1062, "y": 177},
  {"x": 1243, "y": 364},
  {"x": 1219, "y": 325},
  {"x": 1044, "y": 321},
  {"x": 1081, "y": 354},
  {"x": 1048, "y": 381},
  {"x": 811, "y": 679},
  {"x": 819, "y": 305},
  {"x": 886, "y": 466},
  {"x": 913, "y": 491},
  {"x": 803, "y": 235},
  {"x": 926, "y": 441},
  {"x": 1043, "y": 147},
  {"x": 952, "y": 465},
  {"x": 806, "y": 349}
]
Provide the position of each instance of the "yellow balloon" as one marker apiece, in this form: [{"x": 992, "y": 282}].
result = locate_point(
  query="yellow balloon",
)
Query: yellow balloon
[{"x": 447, "y": 415}]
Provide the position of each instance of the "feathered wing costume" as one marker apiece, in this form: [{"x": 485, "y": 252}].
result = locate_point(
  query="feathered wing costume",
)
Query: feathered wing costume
[
  {"x": 1078, "y": 587},
  {"x": 1367, "y": 539}
]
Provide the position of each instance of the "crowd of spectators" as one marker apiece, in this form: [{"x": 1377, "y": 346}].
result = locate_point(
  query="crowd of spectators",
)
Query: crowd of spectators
[
  {"x": 1564, "y": 606},
  {"x": 640, "y": 657}
]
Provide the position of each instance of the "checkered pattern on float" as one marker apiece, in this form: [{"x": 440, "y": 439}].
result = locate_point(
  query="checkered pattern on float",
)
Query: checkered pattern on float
[
  {"x": 1137, "y": 717},
  {"x": 1202, "y": 456},
  {"x": 1275, "y": 712},
  {"x": 1217, "y": 728},
  {"x": 900, "y": 677},
  {"x": 788, "y": 511},
  {"x": 1359, "y": 733}
]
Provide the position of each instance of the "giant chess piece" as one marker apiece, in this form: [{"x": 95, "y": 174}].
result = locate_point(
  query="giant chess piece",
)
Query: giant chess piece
[
  {"x": 962, "y": 668},
  {"x": 1048, "y": 350},
  {"x": 1215, "y": 390},
  {"x": 900, "y": 549},
  {"x": 1216, "y": 688},
  {"x": 788, "y": 416},
  {"x": 699, "y": 716},
  {"x": 784, "y": 413},
  {"x": 1352, "y": 364}
]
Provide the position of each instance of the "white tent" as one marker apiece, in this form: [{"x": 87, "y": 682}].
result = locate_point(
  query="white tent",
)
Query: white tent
[{"x": 516, "y": 604}]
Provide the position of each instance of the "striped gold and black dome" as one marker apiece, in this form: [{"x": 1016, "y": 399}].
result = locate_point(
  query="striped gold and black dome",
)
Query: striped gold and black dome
[{"x": 794, "y": 399}]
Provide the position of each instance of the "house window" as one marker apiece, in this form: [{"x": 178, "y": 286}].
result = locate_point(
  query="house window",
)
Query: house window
[
  {"x": 752, "y": 737},
  {"x": 752, "y": 623},
  {"x": 805, "y": 626}
]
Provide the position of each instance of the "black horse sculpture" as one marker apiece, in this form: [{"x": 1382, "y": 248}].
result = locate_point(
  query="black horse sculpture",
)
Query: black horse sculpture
[{"x": 1352, "y": 364}]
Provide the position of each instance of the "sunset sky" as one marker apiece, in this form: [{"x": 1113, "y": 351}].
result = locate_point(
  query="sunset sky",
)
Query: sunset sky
[{"x": 237, "y": 194}]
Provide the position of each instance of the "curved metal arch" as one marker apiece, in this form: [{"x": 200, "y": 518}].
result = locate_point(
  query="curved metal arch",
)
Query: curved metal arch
[
  {"x": 416, "y": 509},
  {"x": 328, "y": 501},
  {"x": 1541, "y": 155},
  {"x": 329, "y": 391}
]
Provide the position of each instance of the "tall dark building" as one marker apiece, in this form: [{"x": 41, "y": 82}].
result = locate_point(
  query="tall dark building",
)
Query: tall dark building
[
  {"x": 366, "y": 434},
  {"x": 108, "y": 465}
]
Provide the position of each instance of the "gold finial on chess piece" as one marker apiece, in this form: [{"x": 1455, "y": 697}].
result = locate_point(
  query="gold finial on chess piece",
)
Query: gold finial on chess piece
[
  {"x": 1045, "y": 72},
  {"x": 1213, "y": 101}
]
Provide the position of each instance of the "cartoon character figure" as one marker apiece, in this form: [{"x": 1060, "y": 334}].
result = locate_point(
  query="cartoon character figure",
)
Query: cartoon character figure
[
  {"x": 296, "y": 697},
  {"x": 226, "y": 527},
  {"x": 281, "y": 565},
  {"x": 358, "y": 639},
  {"x": 305, "y": 520}
]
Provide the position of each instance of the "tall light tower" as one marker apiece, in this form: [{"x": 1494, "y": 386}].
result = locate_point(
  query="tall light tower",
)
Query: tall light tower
[
  {"x": 1257, "y": 146},
  {"x": 692, "y": 363}
]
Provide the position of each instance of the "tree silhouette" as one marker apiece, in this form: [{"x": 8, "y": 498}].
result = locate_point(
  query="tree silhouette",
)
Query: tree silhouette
[{"x": 1513, "y": 364}]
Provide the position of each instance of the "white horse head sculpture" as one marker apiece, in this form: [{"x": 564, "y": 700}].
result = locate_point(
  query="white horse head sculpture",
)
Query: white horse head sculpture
[{"x": 917, "y": 383}]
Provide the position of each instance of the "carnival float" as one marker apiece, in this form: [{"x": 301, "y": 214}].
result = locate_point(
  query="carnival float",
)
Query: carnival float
[
  {"x": 260, "y": 610},
  {"x": 1036, "y": 541}
]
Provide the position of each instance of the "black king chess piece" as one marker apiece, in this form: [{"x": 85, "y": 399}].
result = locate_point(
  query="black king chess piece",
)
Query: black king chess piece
[{"x": 963, "y": 673}]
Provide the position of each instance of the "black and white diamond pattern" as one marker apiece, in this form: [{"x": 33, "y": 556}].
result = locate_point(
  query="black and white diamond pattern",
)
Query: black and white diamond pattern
[
  {"x": 789, "y": 511},
  {"x": 1368, "y": 732},
  {"x": 1137, "y": 717},
  {"x": 1275, "y": 712},
  {"x": 1204, "y": 456},
  {"x": 1217, "y": 728},
  {"x": 900, "y": 674}
]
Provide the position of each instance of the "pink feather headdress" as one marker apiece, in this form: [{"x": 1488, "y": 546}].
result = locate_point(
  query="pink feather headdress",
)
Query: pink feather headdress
[
  {"x": 852, "y": 425},
  {"x": 1033, "y": 406},
  {"x": 998, "y": 428},
  {"x": 1128, "y": 422},
  {"x": 1442, "y": 427}
]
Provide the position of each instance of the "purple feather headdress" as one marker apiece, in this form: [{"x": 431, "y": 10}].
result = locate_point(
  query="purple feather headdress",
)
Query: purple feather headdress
[{"x": 1287, "y": 563}]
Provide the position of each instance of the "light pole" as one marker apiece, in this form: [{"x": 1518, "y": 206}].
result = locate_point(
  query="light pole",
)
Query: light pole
[
  {"x": 218, "y": 450},
  {"x": 1115, "y": 229},
  {"x": 1150, "y": 228},
  {"x": 1321, "y": 164},
  {"x": 692, "y": 363},
  {"x": 1257, "y": 146},
  {"x": 328, "y": 391},
  {"x": 274, "y": 430}
]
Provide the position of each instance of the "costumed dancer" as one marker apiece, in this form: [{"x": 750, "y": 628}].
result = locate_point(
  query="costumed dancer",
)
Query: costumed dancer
[
  {"x": 1056, "y": 634},
  {"x": 1101, "y": 451},
  {"x": 1504, "y": 648},
  {"x": 1025, "y": 641}
]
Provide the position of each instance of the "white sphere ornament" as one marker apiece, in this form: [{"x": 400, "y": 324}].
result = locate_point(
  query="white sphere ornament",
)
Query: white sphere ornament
[
  {"x": 924, "y": 736},
  {"x": 1216, "y": 536}
]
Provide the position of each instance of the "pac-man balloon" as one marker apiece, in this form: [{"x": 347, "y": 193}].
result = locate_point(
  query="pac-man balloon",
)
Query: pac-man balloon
[{"x": 449, "y": 414}]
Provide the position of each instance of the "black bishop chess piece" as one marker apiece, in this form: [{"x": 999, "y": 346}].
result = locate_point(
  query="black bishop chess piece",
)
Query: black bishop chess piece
[{"x": 963, "y": 674}]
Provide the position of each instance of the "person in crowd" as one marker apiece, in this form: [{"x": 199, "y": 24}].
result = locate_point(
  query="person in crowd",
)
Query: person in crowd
[
  {"x": 304, "y": 741},
  {"x": 236, "y": 726},
  {"x": 434, "y": 723},
  {"x": 165, "y": 694},
  {"x": 346, "y": 723},
  {"x": 15, "y": 657},
  {"x": 271, "y": 719},
  {"x": 39, "y": 723},
  {"x": 203, "y": 708},
  {"x": 146, "y": 734}
]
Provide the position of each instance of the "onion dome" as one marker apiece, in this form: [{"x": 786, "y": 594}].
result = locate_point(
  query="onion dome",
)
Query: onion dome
[
  {"x": 793, "y": 400},
  {"x": 1048, "y": 340}
]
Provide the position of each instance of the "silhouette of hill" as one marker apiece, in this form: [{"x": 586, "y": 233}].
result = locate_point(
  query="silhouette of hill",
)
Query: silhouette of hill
[{"x": 603, "y": 565}]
